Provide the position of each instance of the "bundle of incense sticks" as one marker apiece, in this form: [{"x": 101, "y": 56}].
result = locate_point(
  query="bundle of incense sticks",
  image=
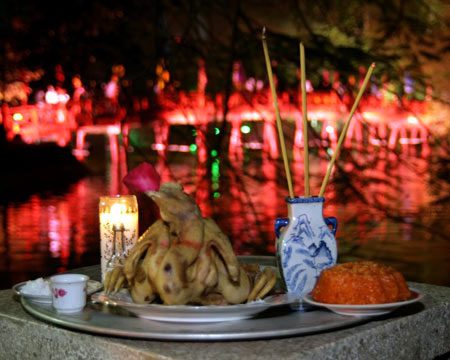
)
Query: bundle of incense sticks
[{"x": 305, "y": 121}]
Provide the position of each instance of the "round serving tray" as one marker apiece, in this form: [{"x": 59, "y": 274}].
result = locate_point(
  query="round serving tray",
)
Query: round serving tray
[{"x": 115, "y": 321}]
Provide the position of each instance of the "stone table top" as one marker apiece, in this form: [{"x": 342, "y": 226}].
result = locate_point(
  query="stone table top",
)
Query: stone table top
[{"x": 419, "y": 331}]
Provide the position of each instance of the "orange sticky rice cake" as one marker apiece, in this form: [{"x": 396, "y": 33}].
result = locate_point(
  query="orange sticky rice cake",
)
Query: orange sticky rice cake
[{"x": 361, "y": 282}]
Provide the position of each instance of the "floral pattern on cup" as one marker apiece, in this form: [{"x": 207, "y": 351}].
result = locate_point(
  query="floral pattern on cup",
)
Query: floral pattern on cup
[
  {"x": 68, "y": 292},
  {"x": 59, "y": 293}
]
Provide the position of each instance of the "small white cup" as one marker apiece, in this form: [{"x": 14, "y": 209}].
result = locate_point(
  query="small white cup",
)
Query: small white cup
[{"x": 68, "y": 292}]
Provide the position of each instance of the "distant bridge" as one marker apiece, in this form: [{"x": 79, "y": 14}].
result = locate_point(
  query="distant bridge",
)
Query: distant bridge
[{"x": 378, "y": 122}]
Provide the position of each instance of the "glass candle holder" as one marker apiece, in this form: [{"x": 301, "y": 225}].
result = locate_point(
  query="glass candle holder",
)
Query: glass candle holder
[{"x": 118, "y": 229}]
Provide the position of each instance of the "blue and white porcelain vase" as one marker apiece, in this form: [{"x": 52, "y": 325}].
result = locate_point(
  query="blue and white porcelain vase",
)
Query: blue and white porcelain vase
[{"x": 305, "y": 243}]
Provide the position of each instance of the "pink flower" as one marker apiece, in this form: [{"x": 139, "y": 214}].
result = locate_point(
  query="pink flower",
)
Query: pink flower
[
  {"x": 142, "y": 178},
  {"x": 59, "y": 293}
]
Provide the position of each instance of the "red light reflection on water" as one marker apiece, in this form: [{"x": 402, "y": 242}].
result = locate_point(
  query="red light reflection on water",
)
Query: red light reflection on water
[
  {"x": 50, "y": 234},
  {"x": 394, "y": 218}
]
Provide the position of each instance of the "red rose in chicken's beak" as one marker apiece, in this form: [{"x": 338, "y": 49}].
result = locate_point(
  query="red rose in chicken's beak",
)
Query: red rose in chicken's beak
[{"x": 142, "y": 178}]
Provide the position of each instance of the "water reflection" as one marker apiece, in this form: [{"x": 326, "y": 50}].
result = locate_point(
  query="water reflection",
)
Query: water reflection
[{"x": 391, "y": 210}]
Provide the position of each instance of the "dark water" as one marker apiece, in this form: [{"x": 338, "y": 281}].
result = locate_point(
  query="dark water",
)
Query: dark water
[{"x": 390, "y": 208}]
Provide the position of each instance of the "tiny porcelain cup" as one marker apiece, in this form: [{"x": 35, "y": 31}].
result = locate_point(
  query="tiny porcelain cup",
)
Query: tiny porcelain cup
[{"x": 68, "y": 292}]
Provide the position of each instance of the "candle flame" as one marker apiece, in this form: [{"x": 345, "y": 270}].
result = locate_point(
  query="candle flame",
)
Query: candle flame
[{"x": 117, "y": 210}]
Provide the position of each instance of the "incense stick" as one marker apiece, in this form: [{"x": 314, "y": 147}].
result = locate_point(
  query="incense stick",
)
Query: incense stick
[
  {"x": 305, "y": 120},
  {"x": 344, "y": 130},
  {"x": 277, "y": 114}
]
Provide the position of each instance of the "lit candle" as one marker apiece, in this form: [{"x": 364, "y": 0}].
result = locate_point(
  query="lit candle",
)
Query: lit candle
[{"x": 118, "y": 228}]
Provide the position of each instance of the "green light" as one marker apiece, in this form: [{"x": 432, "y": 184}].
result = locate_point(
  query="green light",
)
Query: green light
[
  {"x": 193, "y": 148},
  {"x": 213, "y": 153},
  {"x": 245, "y": 129},
  {"x": 135, "y": 139},
  {"x": 215, "y": 176},
  {"x": 215, "y": 170},
  {"x": 216, "y": 131},
  {"x": 216, "y": 195},
  {"x": 194, "y": 132}
]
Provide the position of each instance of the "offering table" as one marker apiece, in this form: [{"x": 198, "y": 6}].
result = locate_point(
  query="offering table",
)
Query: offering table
[{"x": 418, "y": 331}]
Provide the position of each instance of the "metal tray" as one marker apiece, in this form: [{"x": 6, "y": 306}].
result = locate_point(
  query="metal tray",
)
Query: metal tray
[
  {"x": 280, "y": 321},
  {"x": 115, "y": 321}
]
